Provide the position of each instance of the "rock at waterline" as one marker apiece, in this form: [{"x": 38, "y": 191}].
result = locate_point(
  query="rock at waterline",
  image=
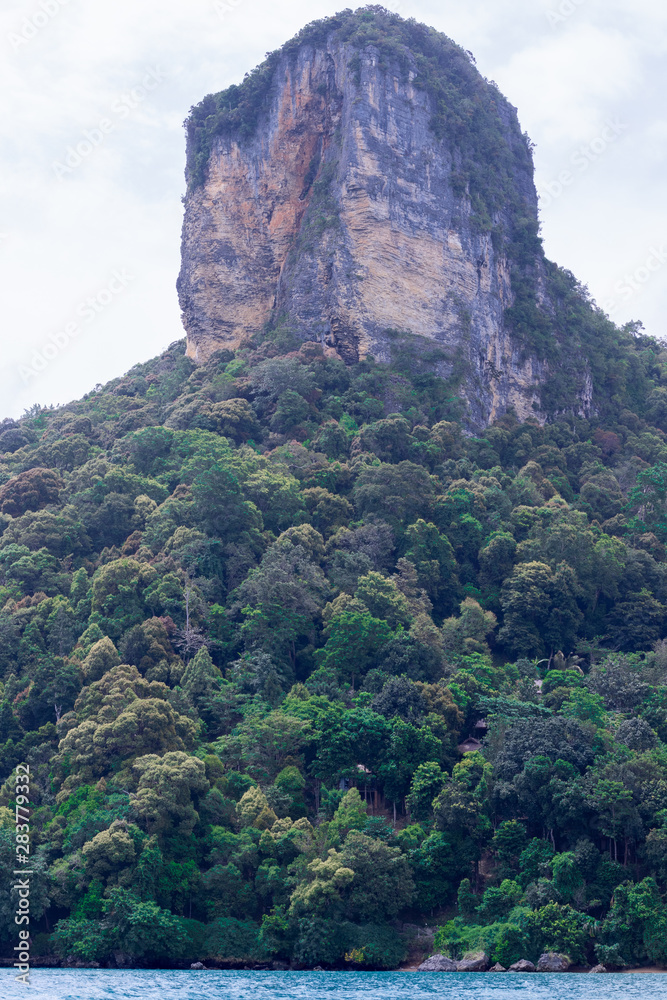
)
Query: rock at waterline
[
  {"x": 552, "y": 961},
  {"x": 438, "y": 963},
  {"x": 497, "y": 968},
  {"x": 473, "y": 961},
  {"x": 598, "y": 968},
  {"x": 523, "y": 965}
]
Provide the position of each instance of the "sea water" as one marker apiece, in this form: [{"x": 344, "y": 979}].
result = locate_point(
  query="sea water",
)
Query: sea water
[{"x": 102, "y": 984}]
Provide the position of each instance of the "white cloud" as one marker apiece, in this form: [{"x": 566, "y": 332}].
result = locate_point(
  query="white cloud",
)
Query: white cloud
[{"x": 569, "y": 80}]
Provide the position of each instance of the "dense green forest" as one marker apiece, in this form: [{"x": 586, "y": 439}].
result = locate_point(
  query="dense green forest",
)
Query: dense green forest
[{"x": 252, "y": 610}]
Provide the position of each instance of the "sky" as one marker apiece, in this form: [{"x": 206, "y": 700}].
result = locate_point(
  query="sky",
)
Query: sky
[{"x": 90, "y": 244}]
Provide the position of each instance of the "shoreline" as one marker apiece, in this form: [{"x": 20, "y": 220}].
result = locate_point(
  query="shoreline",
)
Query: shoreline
[
  {"x": 46, "y": 964},
  {"x": 655, "y": 970}
]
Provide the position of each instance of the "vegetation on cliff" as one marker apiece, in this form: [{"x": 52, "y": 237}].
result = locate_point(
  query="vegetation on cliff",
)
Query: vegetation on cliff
[
  {"x": 252, "y": 609},
  {"x": 469, "y": 113},
  {"x": 551, "y": 317}
]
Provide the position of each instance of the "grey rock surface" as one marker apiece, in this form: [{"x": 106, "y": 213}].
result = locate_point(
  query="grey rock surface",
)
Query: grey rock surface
[
  {"x": 476, "y": 961},
  {"x": 523, "y": 965},
  {"x": 438, "y": 963},
  {"x": 552, "y": 961},
  {"x": 342, "y": 220}
]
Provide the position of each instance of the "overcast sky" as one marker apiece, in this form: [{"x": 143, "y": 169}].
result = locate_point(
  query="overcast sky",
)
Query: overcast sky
[{"x": 93, "y": 247}]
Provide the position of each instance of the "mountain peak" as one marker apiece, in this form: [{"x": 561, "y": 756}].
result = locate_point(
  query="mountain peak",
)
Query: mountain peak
[{"x": 366, "y": 188}]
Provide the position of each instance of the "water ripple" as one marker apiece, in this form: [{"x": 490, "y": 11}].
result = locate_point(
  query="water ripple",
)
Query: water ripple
[{"x": 93, "y": 984}]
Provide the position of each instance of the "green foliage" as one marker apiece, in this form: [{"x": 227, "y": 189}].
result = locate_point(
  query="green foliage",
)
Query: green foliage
[
  {"x": 234, "y": 940},
  {"x": 648, "y": 500},
  {"x": 497, "y": 902},
  {"x": 350, "y": 815},
  {"x": 468, "y": 112},
  {"x": 634, "y": 931},
  {"x": 353, "y": 638},
  {"x": 500, "y": 941},
  {"x": 426, "y": 784},
  {"x": 29, "y": 490},
  {"x": 143, "y": 930},
  {"x": 245, "y": 669},
  {"x": 560, "y": 929}
]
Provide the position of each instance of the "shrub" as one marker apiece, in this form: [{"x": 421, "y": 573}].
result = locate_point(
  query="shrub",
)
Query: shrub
[{"x": 228, "y": 939}]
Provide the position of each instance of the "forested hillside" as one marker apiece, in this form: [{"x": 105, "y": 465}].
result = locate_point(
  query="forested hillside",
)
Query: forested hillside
[{"x": 255, "y": 611}]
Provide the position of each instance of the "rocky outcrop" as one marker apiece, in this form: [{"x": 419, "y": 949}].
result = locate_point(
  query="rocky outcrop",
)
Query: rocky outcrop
[
  {"x": 497, "y": 968},
  {"x": 523, "y": 965},
  {"x": 473, "y": 961},
  {"x": 551, "y": 961},
  {"x": 598, "y": 968},
  {"x": 344, "y": 219},
  {"x": 438, "y": 963}
]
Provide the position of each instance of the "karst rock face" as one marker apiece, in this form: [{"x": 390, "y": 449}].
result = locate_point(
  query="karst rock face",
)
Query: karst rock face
[{"x": 343, "y": 218}]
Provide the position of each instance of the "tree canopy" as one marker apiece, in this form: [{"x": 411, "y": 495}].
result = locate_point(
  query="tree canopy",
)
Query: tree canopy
[{"x": 289, "y": 675}]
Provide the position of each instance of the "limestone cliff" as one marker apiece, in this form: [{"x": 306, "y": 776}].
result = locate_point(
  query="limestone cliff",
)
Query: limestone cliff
[{"x": 346, "y": 215}]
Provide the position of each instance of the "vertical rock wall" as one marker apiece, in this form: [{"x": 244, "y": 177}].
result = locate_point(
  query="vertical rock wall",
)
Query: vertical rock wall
[{"x": 339, "y": 220}]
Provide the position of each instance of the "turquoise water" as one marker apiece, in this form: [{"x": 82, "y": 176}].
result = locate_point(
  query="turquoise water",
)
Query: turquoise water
[{"x": 93, "y": 984}]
